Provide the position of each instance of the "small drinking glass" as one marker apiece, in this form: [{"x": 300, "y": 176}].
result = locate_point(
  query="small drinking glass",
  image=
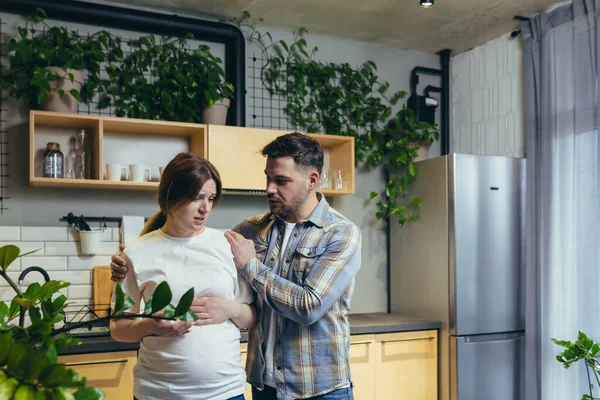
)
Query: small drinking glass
[
  {"x": 339, "y": 179},
  {"x": 325, "y": 179}
]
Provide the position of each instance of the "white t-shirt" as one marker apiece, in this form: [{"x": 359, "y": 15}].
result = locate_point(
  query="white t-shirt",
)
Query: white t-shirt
[{"x": 204, "y": 364}]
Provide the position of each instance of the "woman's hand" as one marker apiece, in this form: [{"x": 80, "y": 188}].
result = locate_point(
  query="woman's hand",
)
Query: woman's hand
[
  {"x": 163, "y": 327},
  {"x": 214, "y": 310}
]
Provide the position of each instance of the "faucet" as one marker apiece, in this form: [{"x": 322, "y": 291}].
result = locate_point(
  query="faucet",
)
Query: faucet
[
  {"x": 34, "y": 268},
  {"x": 21, "y": 277}
]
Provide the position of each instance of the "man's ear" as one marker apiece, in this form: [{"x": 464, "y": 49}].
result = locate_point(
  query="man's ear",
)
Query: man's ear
[{"x": 313, "y": 180}]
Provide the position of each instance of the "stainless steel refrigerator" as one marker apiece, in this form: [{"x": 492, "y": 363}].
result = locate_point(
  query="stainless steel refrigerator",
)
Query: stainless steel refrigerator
[{"x": 462, "y": 263}]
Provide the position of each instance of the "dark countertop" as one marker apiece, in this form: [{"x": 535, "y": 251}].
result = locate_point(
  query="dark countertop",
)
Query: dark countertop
[{"x": 360, "y": 324}]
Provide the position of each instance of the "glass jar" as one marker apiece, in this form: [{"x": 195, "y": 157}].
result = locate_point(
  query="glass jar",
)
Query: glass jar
[{"x": 53, "y": 164}]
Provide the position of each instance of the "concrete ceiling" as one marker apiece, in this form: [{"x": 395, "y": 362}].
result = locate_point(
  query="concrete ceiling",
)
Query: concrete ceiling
[{"x": 454, "y": 24}]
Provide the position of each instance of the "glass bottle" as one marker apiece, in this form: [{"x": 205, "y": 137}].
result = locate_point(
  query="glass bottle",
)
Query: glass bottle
[
  {"x": 82, "y": 156},
  {"x": 71, "y": 159},
  {"x": 53, "y": 164}
]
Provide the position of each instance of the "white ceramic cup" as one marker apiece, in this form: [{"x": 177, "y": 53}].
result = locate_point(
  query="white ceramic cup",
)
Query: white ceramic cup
[
  {"x": 114, "y": 171},
  {"x": 137, "y": 173}
]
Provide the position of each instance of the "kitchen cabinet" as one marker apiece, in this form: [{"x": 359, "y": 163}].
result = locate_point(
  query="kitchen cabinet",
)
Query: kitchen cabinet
[
  {"x": 390, "y": 366},
  {"x": 235, "y": 151},
  {"x": 244, "y": 354},
  {"x": 111, "y": 372},
  {"x": 363, "y": 366},
  {"x": 406, "y": 366}
]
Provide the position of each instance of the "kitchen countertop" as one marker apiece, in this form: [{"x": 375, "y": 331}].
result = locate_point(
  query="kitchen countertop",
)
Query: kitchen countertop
[{"x": 360, "y": 324}]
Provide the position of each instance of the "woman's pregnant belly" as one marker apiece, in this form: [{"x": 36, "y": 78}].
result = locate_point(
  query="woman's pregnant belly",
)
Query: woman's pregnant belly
[{"x": 205, "y": 360}]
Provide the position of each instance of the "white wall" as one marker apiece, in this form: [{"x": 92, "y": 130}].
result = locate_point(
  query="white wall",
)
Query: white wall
[
  {"x": 487, "y": 99},
  {"x": 43, "y": 207}
]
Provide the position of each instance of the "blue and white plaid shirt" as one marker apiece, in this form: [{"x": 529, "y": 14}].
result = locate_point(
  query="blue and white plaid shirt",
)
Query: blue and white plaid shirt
[{"x": 310, "y": 296}]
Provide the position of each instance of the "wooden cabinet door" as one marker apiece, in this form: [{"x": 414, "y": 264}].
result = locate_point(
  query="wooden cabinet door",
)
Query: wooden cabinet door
[
  {"x": 236, "y": 154},
  {"x": 406, "y": 366},
  {"x": 362, "y": 366},
  {"x": 244, "y": 351},
  {"x": 111, "y": 372}
]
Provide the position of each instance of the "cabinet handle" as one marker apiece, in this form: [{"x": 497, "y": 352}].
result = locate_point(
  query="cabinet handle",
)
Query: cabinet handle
[
  {"x": 408, "y": 340},
  {"x": 363, "y": 342},
  {"x": 97, "y": 363}
]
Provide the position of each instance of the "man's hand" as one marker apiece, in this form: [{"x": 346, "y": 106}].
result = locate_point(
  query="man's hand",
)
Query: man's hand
[
  {"x": 214, "y": 310},
  {"x": 118, "y": 266},
  {"x": 242, "y": 249}
]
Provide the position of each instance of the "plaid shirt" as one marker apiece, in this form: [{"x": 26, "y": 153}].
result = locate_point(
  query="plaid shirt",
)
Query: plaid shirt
[{"x": 310, "y": 296}]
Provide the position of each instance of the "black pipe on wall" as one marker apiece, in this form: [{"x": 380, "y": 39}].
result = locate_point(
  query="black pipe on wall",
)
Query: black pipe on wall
[
  {"x": 445, "y": 134},
  {"x": 162, "y": 24}
]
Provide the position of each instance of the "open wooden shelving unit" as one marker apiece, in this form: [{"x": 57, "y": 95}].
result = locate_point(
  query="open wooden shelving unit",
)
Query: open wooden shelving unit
[{"x": 234, "y": 151}]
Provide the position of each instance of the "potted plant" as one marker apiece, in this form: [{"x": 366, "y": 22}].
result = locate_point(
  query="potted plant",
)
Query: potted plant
[
  {"x": 586, "y": 350},
  {"x": 29, "y": 367},
  {"x": 48, "y": 64},
  {"x": 184, "y": 82}
]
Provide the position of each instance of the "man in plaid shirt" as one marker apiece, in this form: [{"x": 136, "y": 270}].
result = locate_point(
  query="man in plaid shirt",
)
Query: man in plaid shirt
[{"x": 301, "y": 259}]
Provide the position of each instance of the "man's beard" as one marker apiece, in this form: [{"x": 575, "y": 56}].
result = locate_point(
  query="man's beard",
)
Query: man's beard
[{"x": 288, "y": 209}]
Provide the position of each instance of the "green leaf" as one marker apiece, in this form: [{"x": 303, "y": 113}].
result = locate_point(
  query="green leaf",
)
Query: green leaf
[
  {"x": 372, "y": 195},
  {"x": 3, "y": 311},
  {"x": 75, "y": 93},
  {"x": 412, "y": 170},
  {"x": 5, "y": 346},
  {"x": 189, "y": 316},
  {"x": 119, "y": 299},
  {"x": 8, "y": 254},
  {"x": 89, "y": 393},
  {"x": 55, "y": 375},
  {"x": 284, "y": 45},
  {"x": 184, "y": 303},
  {"x": 161, "y": 297},
  {"x": 29, "y": 252},
  {"x": 23, "y": 302},
  {"x": 14, "y": 308},
  {"x": 168, "y": 311}
]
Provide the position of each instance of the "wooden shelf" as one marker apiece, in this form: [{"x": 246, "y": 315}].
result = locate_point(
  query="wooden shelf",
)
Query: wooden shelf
[
  {"x": 93, "y": 184},
  {"x": 234, "y": 151}
]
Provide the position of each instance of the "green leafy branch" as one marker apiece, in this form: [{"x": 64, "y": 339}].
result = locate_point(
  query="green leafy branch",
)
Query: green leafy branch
[
  {"x": 29, "y": 367},
  {"x": 337, "y": 98},
  {"x": 586, "y": 350}
]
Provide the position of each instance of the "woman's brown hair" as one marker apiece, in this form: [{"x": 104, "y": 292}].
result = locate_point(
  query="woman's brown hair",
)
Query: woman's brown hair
[{"x": 180, "y": 184}]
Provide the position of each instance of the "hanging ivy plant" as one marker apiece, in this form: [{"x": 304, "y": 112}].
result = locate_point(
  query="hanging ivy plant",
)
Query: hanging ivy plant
[{"x": 338, "y": 98}]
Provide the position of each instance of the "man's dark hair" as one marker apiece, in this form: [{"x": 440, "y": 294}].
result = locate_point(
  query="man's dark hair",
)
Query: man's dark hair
[{"x": 305, "y": 151}]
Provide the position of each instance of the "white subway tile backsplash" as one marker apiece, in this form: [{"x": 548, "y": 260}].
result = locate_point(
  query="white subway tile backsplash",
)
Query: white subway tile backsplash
[
  {"x": 59, "y": 255},
  {"x": 48, "y": 263},
  {"x": 10, "y": 233},
  {"x": 61, "y": 248},
  {"x": 73, "y": 248},
  {"x": 27, "y": 247},
  {"x": 87, "y": 263},
  {"x": 75, "y": 277},
  {"x": 6, "y": 294},
  {"x": 116, "y": 235},
  {"x": 79, "y": 292},
  {"x": 43, "y": 233}
]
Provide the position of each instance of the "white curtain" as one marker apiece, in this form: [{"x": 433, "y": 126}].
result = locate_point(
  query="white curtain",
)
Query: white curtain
[{"x": 563, "y": 194}]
